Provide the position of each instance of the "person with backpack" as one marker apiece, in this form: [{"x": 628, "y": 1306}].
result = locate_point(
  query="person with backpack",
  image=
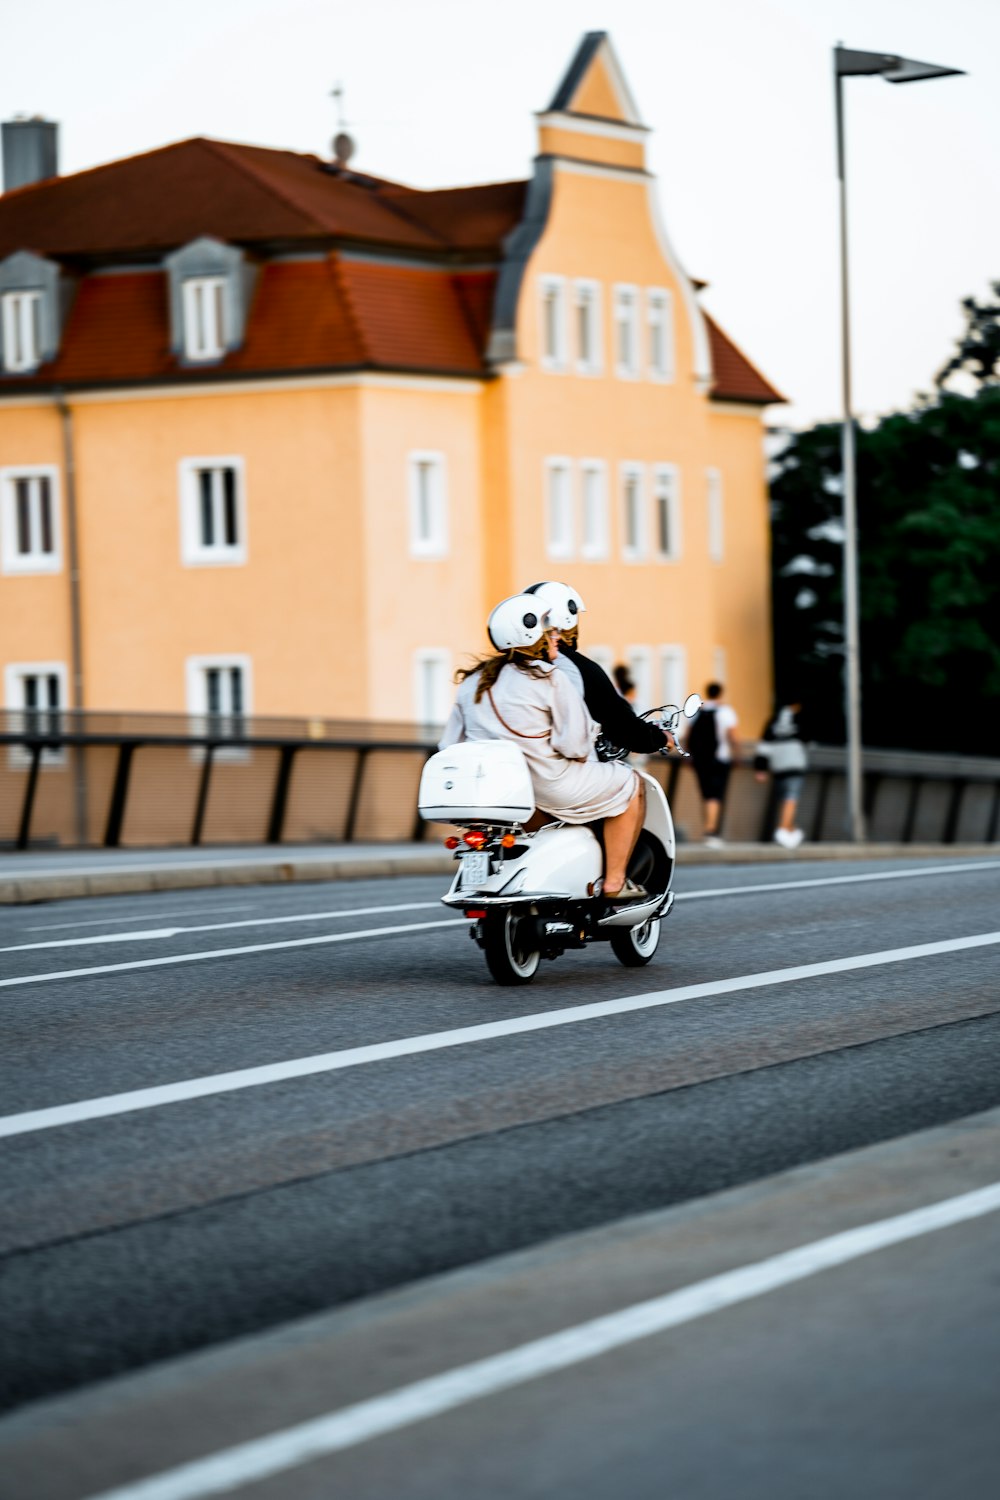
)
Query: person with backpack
[{"x": 714, "y": 750}]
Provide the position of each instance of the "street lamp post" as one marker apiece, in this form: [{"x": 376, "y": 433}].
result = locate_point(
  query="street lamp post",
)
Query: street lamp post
[{"x": 847, "y": 64}]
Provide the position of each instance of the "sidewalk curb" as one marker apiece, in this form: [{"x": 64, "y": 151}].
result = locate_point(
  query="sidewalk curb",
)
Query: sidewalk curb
[{"x": 75, "y": 884}]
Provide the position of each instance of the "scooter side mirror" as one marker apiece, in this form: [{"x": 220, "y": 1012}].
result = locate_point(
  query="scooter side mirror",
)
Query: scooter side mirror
[{"x": 692, "y": 703}]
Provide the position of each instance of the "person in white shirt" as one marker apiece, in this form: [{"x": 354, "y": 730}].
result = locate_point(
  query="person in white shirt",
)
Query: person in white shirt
[
  {"x": 713, "y": 746},
  {"x": 782, "y": 752},
  {"x": 517, "y": 694}
]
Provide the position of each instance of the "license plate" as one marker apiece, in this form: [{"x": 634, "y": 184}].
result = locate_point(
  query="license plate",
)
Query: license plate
[{"x": 475, "y": 869}]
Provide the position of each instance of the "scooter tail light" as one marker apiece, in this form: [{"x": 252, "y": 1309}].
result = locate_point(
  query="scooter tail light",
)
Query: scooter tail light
[
  {"x": 474, "y": 838},
  {"x": 475, "y": 915}
]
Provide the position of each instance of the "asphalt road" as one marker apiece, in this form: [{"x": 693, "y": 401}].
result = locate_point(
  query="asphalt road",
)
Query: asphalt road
[{"x": 184, "y": 1222}]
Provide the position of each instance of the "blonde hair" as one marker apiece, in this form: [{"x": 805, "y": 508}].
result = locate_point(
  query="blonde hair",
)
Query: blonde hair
[{"x": 489, "y": 667}]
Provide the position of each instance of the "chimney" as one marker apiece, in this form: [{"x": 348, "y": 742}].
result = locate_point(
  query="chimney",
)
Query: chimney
[{"x": 30, "y": 151}]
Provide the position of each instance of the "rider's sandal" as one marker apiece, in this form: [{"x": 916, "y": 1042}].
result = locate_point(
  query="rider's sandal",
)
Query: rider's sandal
[{"x": 629, "y": 892}]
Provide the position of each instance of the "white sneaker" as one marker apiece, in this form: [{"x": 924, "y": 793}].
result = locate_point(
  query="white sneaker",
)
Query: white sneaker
[
  {"x": 712, "y": 841},
  {"x": 788, "y": 838}
]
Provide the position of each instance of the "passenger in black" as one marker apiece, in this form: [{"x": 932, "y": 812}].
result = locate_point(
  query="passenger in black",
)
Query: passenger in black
[{"x": 622, "y": 726}]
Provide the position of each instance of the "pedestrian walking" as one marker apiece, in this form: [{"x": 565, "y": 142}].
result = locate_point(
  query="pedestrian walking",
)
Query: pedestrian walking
[
  {"x": 714, "y": 750},
  {"x": 782, "y": 752}
]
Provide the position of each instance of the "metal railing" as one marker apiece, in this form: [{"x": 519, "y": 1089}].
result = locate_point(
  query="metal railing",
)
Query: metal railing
[
  {"x": 908, "y": 798},
  {"x": 110, "y": 778},
  {"x": 144, "y": 780}
]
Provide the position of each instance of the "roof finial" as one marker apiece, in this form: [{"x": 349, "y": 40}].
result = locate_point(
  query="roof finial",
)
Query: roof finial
[{"x": 343, "y": 144}]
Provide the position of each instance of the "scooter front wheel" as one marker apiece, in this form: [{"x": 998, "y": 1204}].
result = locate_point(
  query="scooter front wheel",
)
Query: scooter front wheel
[
  {"x": 510, "y": 944},
  {"x": 635, "y": 946}
]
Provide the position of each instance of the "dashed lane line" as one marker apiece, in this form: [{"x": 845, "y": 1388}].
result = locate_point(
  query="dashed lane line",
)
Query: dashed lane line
[
  {"x": 353, "y": 1057},
  {"x": 278, "y": 1452},
  {"x": 151, "y": 934},
  {"x": 801, "y": 885},
  {"x": 189, "y": 911},
  {"x": 194, "y": 958}
]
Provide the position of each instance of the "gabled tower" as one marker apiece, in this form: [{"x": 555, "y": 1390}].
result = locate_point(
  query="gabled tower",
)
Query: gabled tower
[{"x": 593, "y": 116}]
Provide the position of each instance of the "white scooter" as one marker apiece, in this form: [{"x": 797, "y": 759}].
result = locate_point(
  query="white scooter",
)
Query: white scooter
[{"x": 531, "y": 896}]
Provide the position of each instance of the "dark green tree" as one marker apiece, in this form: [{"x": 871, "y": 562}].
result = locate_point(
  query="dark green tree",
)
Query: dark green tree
[
  {"x": 978, "y": 352},
  {"x": 929, "y": 563}
]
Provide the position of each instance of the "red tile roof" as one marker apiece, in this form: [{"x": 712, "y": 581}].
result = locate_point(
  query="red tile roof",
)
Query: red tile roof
[
  {"x": 736, "y": 379},
  {"x": 337, "y": 311},
  {"x": 306, "y": 315},
  {"x": 244, "y": 195}
]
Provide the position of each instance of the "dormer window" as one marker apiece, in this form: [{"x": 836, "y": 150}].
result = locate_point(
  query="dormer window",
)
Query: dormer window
[
  {"x": 22, "y": 331},
  {"x": 29, "y": 312},
  {"x": 210, "y": 285},
  {"x": 204, "y": 317}
]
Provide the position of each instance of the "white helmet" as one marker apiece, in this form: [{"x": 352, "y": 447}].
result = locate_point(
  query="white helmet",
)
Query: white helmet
[
  {"x": 563, "y": 603},
  {"x": 517, "y": 623}
]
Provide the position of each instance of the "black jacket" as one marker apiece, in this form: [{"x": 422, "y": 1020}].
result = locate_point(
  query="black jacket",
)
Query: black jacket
[{"x": 614, "y": 713}]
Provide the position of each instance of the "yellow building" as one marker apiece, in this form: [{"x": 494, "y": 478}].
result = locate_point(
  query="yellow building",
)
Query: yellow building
[{"x": 275, "y": 434}]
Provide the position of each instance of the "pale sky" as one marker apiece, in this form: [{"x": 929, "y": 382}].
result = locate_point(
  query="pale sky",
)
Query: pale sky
[{"x": 738, "y": 94}]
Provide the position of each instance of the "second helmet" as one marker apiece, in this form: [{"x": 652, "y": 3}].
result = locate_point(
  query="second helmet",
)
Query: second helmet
[
  {"x": 563, "y": 604},
  {"x": 517, "y": 622}
]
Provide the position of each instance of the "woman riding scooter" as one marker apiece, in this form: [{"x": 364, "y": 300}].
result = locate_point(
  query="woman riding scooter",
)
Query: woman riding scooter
[{"x": 516, "y": 694}]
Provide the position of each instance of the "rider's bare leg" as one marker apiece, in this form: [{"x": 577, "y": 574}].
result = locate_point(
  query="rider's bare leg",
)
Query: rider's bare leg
[{"x": 620, "y": 837}]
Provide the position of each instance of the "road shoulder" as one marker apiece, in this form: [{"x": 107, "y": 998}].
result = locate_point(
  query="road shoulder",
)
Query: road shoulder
[{"x": 138, "y": 1425}]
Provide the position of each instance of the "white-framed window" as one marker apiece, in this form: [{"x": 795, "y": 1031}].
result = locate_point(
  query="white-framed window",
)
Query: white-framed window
[
  {"x": 639, "y": 660},
  {"x": 716, "y": 520},
  {"x": 552, "y": 313},
  {"x": 37, "y": 693},
  {"x": 220, "y": 699},
  {"x": 204, "y": 315},
  {"x": 560, "y": 538},
  {"x": 627, "y": 332},
  {"x": 660, "y": 333},
  {"x": 30, "y": 529},
  {"x": 428, "y": 499},
  {"x": 213, "y": 511},
  {"x": 21, "y": 313},
  {"x": 587, "y": 321},
  {"x": 432, "y": 685},
  {"x": 633, "y": 512},
  {"x": 604, "y": 657},
  {"x": 667, "y": 512},
  {"x": 673, "y": 674},
  {"x": 594, "y": 509}
]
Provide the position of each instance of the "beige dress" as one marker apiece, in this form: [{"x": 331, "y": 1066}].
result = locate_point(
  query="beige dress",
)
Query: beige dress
[{"x": 547, "y": 718}]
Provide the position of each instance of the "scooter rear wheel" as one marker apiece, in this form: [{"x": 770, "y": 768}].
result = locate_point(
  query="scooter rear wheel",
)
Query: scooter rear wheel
[
  {"x": 635, "y": 946},
  {"x": 511, "y": 947}
]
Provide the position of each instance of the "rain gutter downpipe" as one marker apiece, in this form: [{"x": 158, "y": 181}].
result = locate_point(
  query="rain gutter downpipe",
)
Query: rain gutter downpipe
[{"x": 77, "y": 698}]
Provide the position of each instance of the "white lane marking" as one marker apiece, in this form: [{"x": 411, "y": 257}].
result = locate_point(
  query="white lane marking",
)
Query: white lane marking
[
  {"x": 168, "y": 932},
  {"x": 249, "y": 1462},
  {"x": 145, "y": 936},
  {"x": 194, "y": 958},
  {"x": 434, "y": 1041},
  {"x": 188, "y": 911},
  {"x": 153, "y": 933},
  {"x": 801, "y": 885}
]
